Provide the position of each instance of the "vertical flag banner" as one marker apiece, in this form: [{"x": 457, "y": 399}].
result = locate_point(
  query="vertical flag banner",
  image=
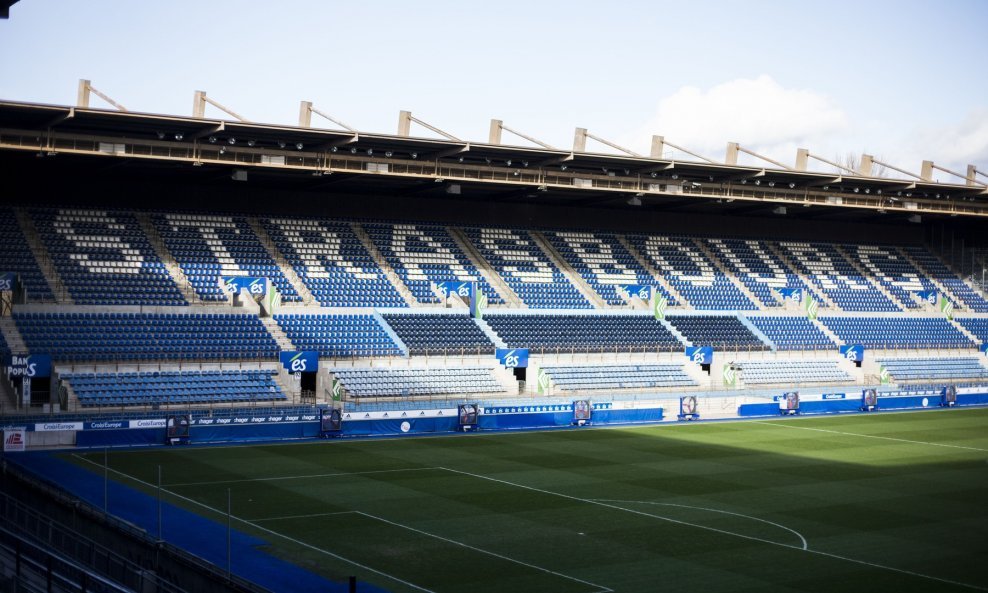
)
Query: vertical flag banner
[
  {"x": 946, "y": 307},
  {"x": 542, "y": 382},
  {"x": 883, "y": 375},
  {"x": 659, "y": 304},
  {"x": 730, "y": 375},
  {"x": 811, "y": 306},
  {"x": 337, "y": 390}
]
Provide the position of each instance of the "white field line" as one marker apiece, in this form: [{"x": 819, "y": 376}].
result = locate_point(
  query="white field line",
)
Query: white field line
[
  {"x": 287, "y": 517},
  {"x": 299, "y": 477},
  {"x": 602, "y": 588},
  {"x": 871, "y": 436},
  {"x": 741, "y": 535},
  {"x": 686, "y": 506},
  {"x": 272, "y": 532}
]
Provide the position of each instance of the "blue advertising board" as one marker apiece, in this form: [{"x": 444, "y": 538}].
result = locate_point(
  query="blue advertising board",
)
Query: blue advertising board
[
  {"x": 852, "y": 352},
  {"x": 792, "y": 294},
  {"x": 642, "y": 291},
  {"x": 304, "y": 361},
  {"x": 984, "y": 348},
  {"x": 700, "y": 354},
  {"x": 253, "y": 285},
  {"x": 7, "y": 281},
  {"x": 462, "y": 289},
  {"x": 29, "y": 365},
  {"x": 930, "y": 296},
  {"x": 512, "y": 358}
]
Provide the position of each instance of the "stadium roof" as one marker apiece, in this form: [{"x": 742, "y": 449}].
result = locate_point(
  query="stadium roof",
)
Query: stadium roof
[{"x": 354, "y": 162}]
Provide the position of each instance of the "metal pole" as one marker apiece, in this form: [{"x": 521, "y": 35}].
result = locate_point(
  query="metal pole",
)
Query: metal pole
[
  {"x": 106, "y": 479},
  {"x": 229, "y": 505},
  {"x": 159, "y": 503}
]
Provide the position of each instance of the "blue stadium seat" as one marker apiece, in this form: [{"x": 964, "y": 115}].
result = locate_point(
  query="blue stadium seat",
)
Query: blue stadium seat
[
  {"x": 412, "y": 382},
  {"x": 723, "y": 332},
  {"x": 933, "y": 266},
  {"x": 152, "y": 388},
  {"x": 792, "y": 333},
  {"x": 792, "y": 372},
  {"x": 425, "y": 333},
  {"x": 831, "y": 273},
  {"x": 625, "y": 376},
  {"x": 897, "y": 332},
  {"x": 337, "y": 336},
  {"x": 16, "y": 256},
  {"x": 931, "y": 369},
  {"x": 592, "y": 333}
]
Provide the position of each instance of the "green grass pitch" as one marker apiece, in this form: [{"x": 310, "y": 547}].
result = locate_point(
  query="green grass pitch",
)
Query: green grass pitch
[{"x": 879, "y": 502}]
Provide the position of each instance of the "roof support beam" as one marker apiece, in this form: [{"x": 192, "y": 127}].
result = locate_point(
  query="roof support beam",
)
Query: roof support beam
[
  {"x": 86, "y": 88},
  {"x": 580, "y": 142},
  {"x": 305, "y": 111},
  {"x": 405, "y": 120},
  {"x": 199, "y": 100},
  {"x": 733, "y": 148},
  {"x": 495, "y": 135}
]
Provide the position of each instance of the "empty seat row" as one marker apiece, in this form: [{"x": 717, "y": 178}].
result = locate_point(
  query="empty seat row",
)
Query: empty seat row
[
  {"x": 154, "y": 388},
  {"x": 411, "y": 382},
  {"x": 643, "y": 376}
]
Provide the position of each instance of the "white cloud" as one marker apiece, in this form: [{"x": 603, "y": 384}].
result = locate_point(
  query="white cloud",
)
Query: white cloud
[
  {"x": 954, "y": 146},
  {"x": 758, "y": 113}
]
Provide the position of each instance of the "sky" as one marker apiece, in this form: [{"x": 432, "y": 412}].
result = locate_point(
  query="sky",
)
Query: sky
[{"x": 901, "y": 80}]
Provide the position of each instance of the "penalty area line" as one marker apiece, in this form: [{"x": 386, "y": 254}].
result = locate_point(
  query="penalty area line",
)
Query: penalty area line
[
  {"x": 870, "y": 436},
  {"x": 731, "y": 533}
]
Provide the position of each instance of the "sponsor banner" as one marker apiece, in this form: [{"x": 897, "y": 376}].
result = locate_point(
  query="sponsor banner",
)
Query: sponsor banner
[
  {"x": 542, "y": 381},
  {"x": 852, "y": 352},
  {"x": 478, "y": 305},
  {"x": 813, "y": 396},
  {"x": 931, "y": 297},
  {"x": 946, "y": 307},
  {"x": 984, "y": 348},
  {"x": 151, "y": 423},
  {"x": 106, "y": 425},
  {"x": 401, "y": 414},
  {"x": 642, "y": 291},
  {"x": 29, "y": 365},
  {"x": 834, "y": 396},
  {"x": 7, "y": 280},
  {"x": 337, "y": 390},
  {"x": 234, "y": 284},
  {"x": 700, "y": 354},
  {"x": 542, "y": 409},
  {"x": 305, "y": 361},
  {"x": 794, "y": 295},
  {"x": 512, "y": 358},
  {"x": 811, "y": 306},
  {"x": 461, "y": 289},
  {"x": 729, "y": 374},
  {"x": 14, "y": 439},
  {"x": 241, "y": 420},
  {"x": 26, "y": 391},
  {"x": 57, "y": 426}
]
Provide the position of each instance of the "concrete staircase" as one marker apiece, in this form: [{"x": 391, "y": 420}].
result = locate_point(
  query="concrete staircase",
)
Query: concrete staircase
[
  {"x": 278, "y": 334},
  {"x": 165, "y": 255},
  {"x": 817, "y": 293},
  {"x": 864, "y": 274},
  {"x": 382, "y": 263},
  {"x": 826, "y": 330},
  {"x": 510, "y": 297},
  {"x": 40, "y": 252},
  {"x": 11, "y": 335},
  {"x": 308, "y": 299},
  {"x": 958, "y": 304},
  {"x": 964, "y": 331},
  {"x": 659, "y": 278},
  {"x": 575, "y": 279},
  {"x": 728, "y": 273}
]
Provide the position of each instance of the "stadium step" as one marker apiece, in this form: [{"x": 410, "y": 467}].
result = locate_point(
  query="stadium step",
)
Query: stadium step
[
  {"x": 165, "y": 255},
  {"x": 659, "y": 278},
  {"x": 870, "y": 278},
  {"x": 382, "y": 263},
  {"x": 713, "y": 257},
  {"x": 40, "y": 252},
  {"x": 958, "y": 303},
  {"x": 486, "y": 270},
  {"x": 557, "y": 260},
  {"x": 821, "y": 297},
  {"x": 967, "y": 333},
  {"x": 308, "y": 299},
  {"x": 827, "y": 331},
  {"x": 278, "y": 334}
]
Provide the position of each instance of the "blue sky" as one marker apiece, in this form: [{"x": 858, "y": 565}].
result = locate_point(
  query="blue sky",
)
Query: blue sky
[{"x": 901, "y": 80}]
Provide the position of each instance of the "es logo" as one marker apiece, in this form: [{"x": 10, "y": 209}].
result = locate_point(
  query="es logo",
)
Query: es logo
[
  {"x": 511, "y": 360},
  {"x": 298, "y": 365},
  {"x": 643, "y": 293},
  {"x": 257, "y": 287},
  {"x": 851, "y": 355},
  {"x": 463, "y": 290},
  {"x": 698, "y": 356}
]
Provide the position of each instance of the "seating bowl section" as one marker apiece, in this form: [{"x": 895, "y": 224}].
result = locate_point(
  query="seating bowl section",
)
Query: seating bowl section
[
  {"x": 898, "y": 332},
  {"x": 723, "y": 332},
  {"x": 424, "y": 255},
  {"x": 519, "y": 261},
  {"x": 939, "y": 271},
  {"x": 16, "y": 256},
  {"x": 626, "y": 376},
  {"x": 174, "y": 388},
  {"x": 333, "y": 263},
  {"x": 338, "y": 336},
  {"x": 688, "y": 269},
  {"x": 97, "y": 337},
  {"x": 412, "y": 382},
  {"x": 793, "y": 333},
  {"x": 430, "y": 333},
  {"x": 793, "y": 372},
  {"x": 931, "y": 369},
  {"x": 583, "y": 333},
  {"x": 832, "y": 273},
  {"x": 208, "y": 247},
  {"x": 104, "y": 258}
]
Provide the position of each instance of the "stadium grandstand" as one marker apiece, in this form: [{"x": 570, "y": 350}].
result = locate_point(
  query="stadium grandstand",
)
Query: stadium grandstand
[{"x": 168, "y": 279}]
